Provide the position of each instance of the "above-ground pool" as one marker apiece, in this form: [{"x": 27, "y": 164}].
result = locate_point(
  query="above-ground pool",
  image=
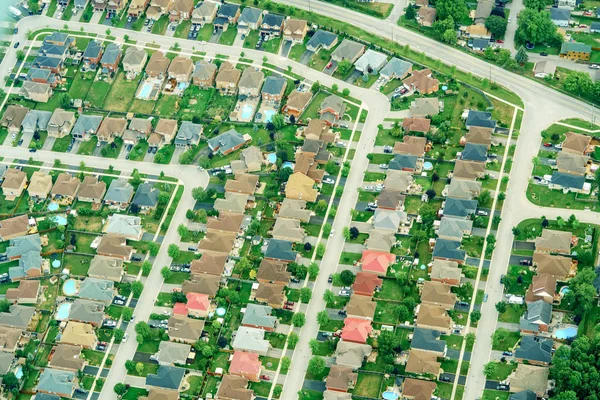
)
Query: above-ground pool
[
  {"x": 567, "y": 332},
  {"x": 59, "y": 219},
  {"x": 287, "y": 164},
  {"x": 272, "y": 158},
  {"x": 564, "y": 290},
  {"x": 427, "y": 166},
  {"x": 269, "y": 115},
  {"x": 247, "y": 111},
  {"x": 55, "y": 263},
  {"x": 62, "y": 312},
  {"x": 182, "y": 85},
  {"x": 70, "y": 287},
  {"x": 53, "y": 206},
  {"x": 221, "y": 311},
  {"x": 390, "y": 395}
]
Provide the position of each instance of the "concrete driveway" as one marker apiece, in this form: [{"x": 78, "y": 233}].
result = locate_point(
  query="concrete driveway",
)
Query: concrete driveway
[{"x": 305, "y": 57}]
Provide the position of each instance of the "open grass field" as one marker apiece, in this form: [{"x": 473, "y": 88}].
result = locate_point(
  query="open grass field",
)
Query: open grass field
[
  {"x": 97, "y": 93},
  {"x": 121, "y": 93}
]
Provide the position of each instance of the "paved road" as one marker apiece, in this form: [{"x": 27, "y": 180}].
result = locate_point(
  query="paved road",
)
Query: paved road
[{"x": 509, "y": 37}]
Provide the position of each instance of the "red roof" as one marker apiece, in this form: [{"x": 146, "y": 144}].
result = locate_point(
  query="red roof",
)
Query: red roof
[
  {"x": 180, "y": 309},
  {"x": 377, "y": 261},
  {"x": 245, "y": 364},
  {"x": 198, "y": 301},
  {"x": 356, "y": 330},
  {"x": 366, "y": 283}
]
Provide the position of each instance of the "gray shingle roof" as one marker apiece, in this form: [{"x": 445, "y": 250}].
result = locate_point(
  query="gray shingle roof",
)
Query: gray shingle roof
[
  {"x": 480, "y": 118},
  {"x": 17, "y": 316},
  {"x": 96, "y": 289},
  {"x": 226, "y": 140},
  {"x": 402, "y": 161},
  {"x": 567, "y": 180},
  {"x": 36, "y": 120},
  {"x": 119, "y": 191},
  {"x": 523, "y": 395},
  {"x": 427, "y": 339},
  {"x": 273, "y": 20},
  {"x": 93, "y": 49},
  {"x": 460, "y": 207},
  {"x": 188, "y": 133},
  {"x": 448, "y": 249},
  {"x": 87, "y": 311},
  {"x": 228, "y": 10},
  {"x": 534, "y": 348},
  {"x": 396, "y": 68},
  {"x": 48, "y": 62},
  {"x": 166, "y": 377},
  {"x": 280, "y": 250},
  {"x": 146, "y": 195},
  {"x": 259, "y": 315},
  {"x": 538, "y": 311},
  {"x": 111, "y": 54},
  {"x": 560, "y": 14},
  {"x": 250, "y": 15},
  {"x": 274, "y": 85},
  {"x": 474, "y": 152},
  {"x": 57, "y": 381},
  {"x": 24, "y": 244},
  {"x": 86, "y": 124},
  {"x": 321, "y": 38}
]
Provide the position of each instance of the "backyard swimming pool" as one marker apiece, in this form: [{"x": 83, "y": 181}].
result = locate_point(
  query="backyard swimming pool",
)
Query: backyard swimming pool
[
  {"x": 287, "y": 164},
  {"x": 19, "y": 373},
  {"x": 390, "y": 395},
  {"x": 62, "y": 312},
  {"x": 53, "y": 206},
  {"x": 247, "y": 112},
  {"x": 269, "y": 115},
  {"x": 427, "y": 166},
  {"x": 70, "y": 287},
  {"x": 59, "y": 219},
  {"x": 567, "y": 332},
  {"x": 145, "y": 91},
  {"x": 272, "y": 158}
]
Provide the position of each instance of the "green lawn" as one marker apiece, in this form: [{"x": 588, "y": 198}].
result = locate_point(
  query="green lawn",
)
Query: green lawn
[
  {"x": 272, "y": 46},
  {"x": 503, "y": 370},
  {"x": 183, "y": 29},
  {"x": 80, "y": 85},
  {"x": 512, "y": 314},
  {"x": 166, "y": 105},
  {"x": 313, "y": 108},
  {"x": 228, "y": 37},
  {"x": 160, "y": 26},
  {"x": 205, "y": 32},
  {"x": 508, "y": 343},
  {"x": 77, "y": 264},
  {"x": 296, "y": 51},
  {"x": 121, "y": 93},
  {"x": 97, "y": 93},
  {"x": 368, "y": 385},
  {"x": 138, "y": 152}
]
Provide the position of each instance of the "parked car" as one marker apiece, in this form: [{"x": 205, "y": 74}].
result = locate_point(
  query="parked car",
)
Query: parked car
[
  {"x": 17, "y": 45},
  {"x": 125, "y": 337},
  {"x": 329, "y": 65},
  {"x": 342, "y": 312},
  {"x": 594, "y": 66},
  {"x": 344, "y": 293},
  {"x": 485, "y": 297},
  {"x": 32, "y": 150},
  {"x": 289, "y": 308},
  {"x": 482, "y": 213},
  {"x": 543, "y": 54},
  {"x": 547, "y": 144},
  {"x": 525, "y": 262},
  {"x": 383, "y": 166},
  {"x": 265, "y": 377},
  {"x": 502, "y": 387},
  {"x": 328, "y": 181},
  {"x": 444, "y": 378},
  {"x": 330, "y": 279},
  {"x": 295, "y": 280},
  {"x": 507, "y": 353}
]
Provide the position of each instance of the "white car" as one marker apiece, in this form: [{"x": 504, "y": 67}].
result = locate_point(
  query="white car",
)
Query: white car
[
  {"x": 329, "y": 181},
  {"x": 344, "y": 293},
  {"x": 332, "y": 232},
  {"x": 383, "y": 166},
  {"x": 125, "y": 336}
]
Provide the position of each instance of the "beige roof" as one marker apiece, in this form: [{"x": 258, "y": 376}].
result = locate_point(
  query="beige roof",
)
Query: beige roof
[
  {"x": 425, "y": 106},
  {"x": 398, "y": 180},
  {"x": 439, "y": 294},
  {"x": 229, "y": 75},
  {"x": 299, "y": 100},
  {"x": 529, "y": 377},
  {"x": 253, "y": 158},
  {"x": 109, "y": 267},
  {"x": 273, "y": 271},
  {"x": 211, "y": 263},
  {"x": 468, "y": 169},
  {"x": 295, "y": 209},
  {"x": 572, "y": 163},
  {"x": 233, "y": 202},
  {"x": 66, "y": 185},
  {"x": 166, "y": 127},
  {"x": 288, "y": 229},
  {"x": 361, "y": 306},
  {"x": 479, "y": 135},
  {"x": 181, "y": 66},
  {"x": 380, "y": 240},
  {"x": 157, "y": 64},
  {"x": 155, "y": 393},
  {"x": 576, "y": 142},
  {"x": 340, "y": 377},
  {"x": 478, "y": 30},
  {"x": 411, "y": 145},
  {"x": 251, "y": 78},
  {"x": 115, "y": 245},
  {"x": 422, "y": 362},
  {"x": 14, "y": 179},
  {"x": 14, "y": 226},
  {"x": 67, "y": 357},
  {"x": 111, "y": 127},
  {"x": 300, "y": 187},
  {"x": 182, "y": 327},
  {"x": 40, "y": 183},
  {"x": 203, "y": 284},
  {"x": 272, "y": 293},
  {"x": 556, "y": 241},
  {"x": 442, "y": 269},
  {"x": 78, "y": 333},
  {"x": 557, "y": 266},
  {"x": 421, "y": 80},
  {"x": 351, "y": 354},
  {"x": 226, "y": 221},
  {"x": 418, "y": 389},
  {"x": 9, "y": 337},
  {"x": 14, "y": 116},
  {"x": 234, "y": 387},
  {"x": 60, "y": 117},
  {"x": 182, "y": 6},
  {"x": 221, "y": 242},
  {"x": 318, "y": 129},
  {"x": 142, "y": 125},
  {"x": 427, "y": 14},
  {"x": 243, "y": 183},
  {"x": 25, "y": 290},
  {"x": 92, "y": 188},
  {"x": 294, "y": 26},
  {"x": 433, "y": 316}
]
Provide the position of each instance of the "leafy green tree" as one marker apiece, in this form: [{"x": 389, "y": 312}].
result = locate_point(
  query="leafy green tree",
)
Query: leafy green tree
[
  {"x": 344, "y": 67},
  {"x": 4, "y": 305},
  {"x": 118, "y": 334},
  {"x": 535, "y": 26},
  {"x": 496, "y": 25},
  {"x": 388, "y": 342},
  {"x": 323, "y": 317},
  {"x": 347, "y": 277},
  {"x": 489, "y": 369},
  {"x": 320, "y": 250},
  {"x": 581, "y": 295},
  {"x": 278, "y": 121},
  {"x": 199, "y": 194},
  {"x": 305, "y": 295},
  {"x": 326, "y": 229},
  {"x": 501, "y": 307},
  {"x": 475, "y": 316},
  {"x": 521, "y": 57},
  {"x": 313, "y": 344},
  {"x": 285, "y": 363},
  {"x": 127, "y": 314},
  {"x": 579, "y": 82},
  {"x": 346, "y": 233},
  {"x": 136, "y": 288},
  {"x": 292, "y": 339},
  {"x": 183, "y": 230},
  {"x": 166, "y": 273},
  {"x": 449, "y": 36},
  {"x": 455, "y": 9},
  {"x": 153, "y": 248},
  {"x": 328, "y": 296},
  {"x": 120, "y": 389},
  {"x": 173, "y": 251},
  {"x": 315, "y": 87},
  {"x": 484, "y": 197},
  {"x": 146, "y": 268},
  {"x": 299, "y": 319},
  {"x": 410, "y": 13},
  {"x": 402, "y": 312},
  {"x": 535, "y": 4},
  {"x": 441, "y": 26},
  {"x": 313, "y": 270},
  {"x": 317, "y": 366}
]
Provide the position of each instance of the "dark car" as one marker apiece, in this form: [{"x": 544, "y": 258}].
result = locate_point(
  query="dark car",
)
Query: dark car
[
  {"x": 20, "y": 142},
  {"x": 154, "y": 150},
  {"x": 543, "y": 54},
  {"x": 16, "y": 45},
  {"x": 444, "y": 378},
  {"x": 32, "y": 150},
  {"x": 507, "y": 353},
  {"x": 330, "y": 279},
  {"x": 525, "y": 262}
]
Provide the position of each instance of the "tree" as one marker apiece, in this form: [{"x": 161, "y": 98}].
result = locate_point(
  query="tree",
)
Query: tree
[
  {"x": 127, "y": 314},
  {"x": 328, "y": 297},
  {"x": 166, "y": 273},
  {"x": 347, "y": 277},
  {"x": 136, "y": 288},
  {"x": 163, "y": 198},
  {"x": 484, "y": 197},
  {"x": 320, "y": 207},
  {"x": 139, "y": 368},
  {"x": 305, "y": 294},
  {"x": 285, "y": 363},
  {"x": 153, "y": 248},
  {"x": 335, "y": 87},
  {"x": 441, "y": 26},
  {"x": 346, "y": 92},
  {"x": 455, "y": 9},
  {"x": 315, "y": 87},
  {"x": 428, "y": 214},
  {"x": 402, "y": 312},
  {"x": 388, "y": 342},
  {"x": 173, "y": 251},
  {"x": 579, "y": 82},
  {"x": 182, "y": 230},
  {"x": 307, "y": 246},
  {"x": 536, "y": 4},
  {"x": 317, "y": 366},
  {"x": 431, "y": 194},
  {"x": 20, "y": 55},
  {"x": 136, "y": 179},
  {"x": 120, "y": 389},
  {"x": 580, "y": 297},
  {"x": 313, "y": 344},
  {"x": 143, "y": 329},
  {"x": 199, "y": 194},
  {"x": 575, "y": 369},
  {"x": 344, "y": 67},
  {"x": 292, "y": 339},
  {"x": 299, "y": 319},
  {"x": 244, "y": 265},
  {"x": 489, "y": 369},
  {"x": 501, "y": 334},
  {"x": 323, "y": 317},
  {"x": 327, "y": 229},
  {"x": 449, "y": 36},
  {"x": 354, "y": 232},
  {"x": 516, "y": 231},
  {"x": 278, "y": 121},
  {"x": 501, "y": 307},
  {"x": 521, "y": 57},
  {"x": 320, "y": 250},
  {"x": 475, "y": 316},
  {"x": 313, "y": 270},
  {"x": 410, "y": 13},
  {"x": 535, "y": 26},
  {"x": 346, "y": 233},
  {"x": 118, "y": 334},
  {"x": 470, "y": 338},
  {"x": 496, "y": 25}
]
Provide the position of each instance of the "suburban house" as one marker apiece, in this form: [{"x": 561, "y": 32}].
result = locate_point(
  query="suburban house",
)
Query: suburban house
[
  {"x": 295, "y": 209},
  {"x": 536, "y": 350},
  {"x": 356, "y": 330},
  {"x": 474, "y": 152},
  {"x": 435, "y": 318},
  {"x": 482, "y": 119},
  {"x": 245, "y": 365},
  {"x": 183, "y": 329},
  {"x": 381, "y": 239},
  {"x": 296, "y": 104},
  {"x": 158, "y": 8},
  {"x": 128, "y": 226},
  {"x": 227, "y": 142},
  {"x": 97, "y": 289},
  {"x": 274, "y": 89},
  {"x": 111, "y": 57},
  {"x": 157, "y": 65},
  {"x": 86, "y": 126},
  {"x": 9, "y": 339},
  {"x": 251, "y": 82},
  {"x": 181, "y": 10},
  {"x": 351, "y": 354},
  {"x": 137, "y": 8},
  {"x": 414, "y": 145},
  {"x": 251, "y": 340},
  {"x": 376, "y": 262},
  {"x": 114, "y": 245},
  {"x": 88, "y": 311},
  {"x": 106, "y": 268},
  {"x": 576, "y": 143},
  {"x": 348, "y": 50},
  {"x": 422, "y": 363},
  {"x": 321, "y": 39},
  {"x": 205, "y": 14},
  {"x": 233, "y": 202},
  {"x": 361, "y": 307},
  {"x": 13, "y": 118},
  {"x": 110, "y": 129},
  {"x": 558, "y": 266},
  {"x": 134, "y": 60},
  {"x": 463, "y": 189},
  {"x": 530, "y": 377},
  {"x": 280, "y": 250},
  {"x": 11, "y": 228},
  {"x": 188, "y": 134},
  {"x": 543, "y": 69},
  {"x": 438, "y": 294},
  {"x": 243, "y": 183},
  {"x": 332, "y": 109},
  {"x": 170, "y": 353},
  {"x": 396, "y": 69},
  {"x": 301, "y": 187},
  {"x": 228, "y": 14},
  {"x": 479, "y": 135},
  {"x": 26, "y": 293},
  {"x": 227, "y": 79},
  {"x": 204, "y": 74},
  {"x": 271, "y": 294},
  {"x": 61, "y": 123},
  {"x": 271, "y": 271},
  {"x": 119, "y": 195},
  {"x": 163, "y": 133},
  {"x": 421, "y": 81},
  {"x": 79, "y": 334},
  {"x": 67, "y": 357},
  {"x": 452, "y": 228},
  {"x": 340, "y": 378},
  {"x": 560, "y": 16},
  {"x": 234, "y": 388},
  {"x": 405, "y": 162},
  {"x": 57, "y": 382},
  {"x": 537, "y": 317},
  {"x": 139, "y": 128},
  {"x": 203, "y": 284},
  {"x": 459, "y": 207},
  {"x": 426, "y": 16},
  {"x": 570, "y": 163},
  {"x": 428, "y": 340},
  {"x": 225, "y": 222},
  {"x": 197, "y": 306},
  {"x": 575, "y": 51},
  {"x": 146, "y": 197},
  {"x": 92, "y": 54},
  {"x": 65, "y": 188},
  {"x": 167, "y": 377},
  {"x": 543, "y": 287},
  {"x": 35, "y": 91},
  {"x": 421, "y": 125},
  {"x": 569, "y": 183},
  {"x": 259, "y": 316},
  {"x": 370, "y": 62},
  {"x": 294, "y": 30},
  {"x": 39, "y": 186},
  {"x": 425, "y": 107},
  {"x": 288, "y": 229},
  {"x": 470, "y": 170},
  {"x": 19, "y": 317},
  {"x": 35, "y": 121},
  {"x": 448, "y": 250},
  {"x": 211, "y": 263},
  {"x": 180, "y": 69},
  {"x": 272, "y": 25},
  {"x": 416, "y": 389},
  {"x": 221, "y": 242},
  {"x": 40, "y": 75},
  {"x": 552, "y": 241},
  {"x": 249, "y": 20},
  {"x": 13, "y": 184}
]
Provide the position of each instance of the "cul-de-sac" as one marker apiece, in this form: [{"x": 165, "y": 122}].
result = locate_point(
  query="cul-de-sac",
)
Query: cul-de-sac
[{"x": 299, "y": 199}]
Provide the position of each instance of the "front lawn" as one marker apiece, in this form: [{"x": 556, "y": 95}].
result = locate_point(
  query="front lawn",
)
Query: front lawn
[
  {"x": 507, "y": 344},
  {"x": 61, "y": 145},
  {"x": 228, "y": 37}
]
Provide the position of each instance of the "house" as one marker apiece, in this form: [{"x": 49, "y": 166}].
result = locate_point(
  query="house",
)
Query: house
[
  {"x": 295, "y": 209},
  {"x": 67, "y": 357},
  {"x": 180, "y": 69},
  {"x": 479, "y": 135},
  {"x": 448, "y": 250},
  {"x": 146, "y": 197},
  {"x": 575, "y": 51},
  {"x": 479, "y": 118},
  {"x": 558, "y": 266},
  {"x": 568, "y": 3},
  {"x": 301, "y": 187},
  {"x": 272, "y": 25},
  {"x": 412, "y": 144},
  {"x": 271, "y": 271},
  {"x": 350, "y": 354},
  {"x": 234, "y": 388},
  {"x": 570, "y": 163},
  {"x": 65, "y": 188},
  {"x": 249, "y": 20},
  {"x": 271, "y": 294},
  {"x": 340, "y": 378},
  {"x": 184, "y": 330},
  {"x": 560, "y": 17},
  {"x": 416, "y": 125},
  {"x": 569, "y": 183},
  {"x": 11, "y": 228},
  {"x": 228, "y": 14},
  {"x": 370, "y": 62},
  {"x": 404, "y": 162},
  {"x": 225, "y": 222},
  {"x": 35, "y": 91},
  {"x": 459, "y": 207},
  {"x": 422, "y": 363},
  {"x": 288, "y": 229},
  {"x": 476, "y": 32},
  {"x": 92, "y": 54},
  {"x": 188, "y": 134},
  {"x": 483, "y": 11},
  {"x": 128, "y": 226},
  {"x": 90, "y": 312},
  {"x": 251, "y": 82},
  {"x": 39, "y": 75},
  {"x": 425, "y": 107},
  {"x": 321, "y": 39},
  {"x": 221, "y": 242},
  {"x": 164, "y": 133},
  {"x": 534, "y": 349},
  {"x": 307, "y": 165},
  {"x": 552, "y": 241},
  {"x": 203, "y": 284},
  {"x": 181, "y": 10},
  {"x": 119, "y": 195},
  {"x": 356, "y": 330},
  {"x": 421, "y": 81},
  {"x": 17, "y": 316},
  {"x": 58, "y": 382},
  {"x": 332, "y": 109},
  {"x": 454, "y": 228},
  {"x": 211, "y": 263},
  {"x": 137, "y": 8},
  {"x": 389, "y": 220},
  {"x": 205, "y": 14},
  {"x": 576, "y": 143},
  {"x": 26, "y": 293},
  {"x": 139, "y": 128},
  {"x": 86, "y": 126},
  {"x": 204, "y": 74},
  {"x": 380, "y": 239},
  {"x": 39, "y": 186},
  {"x": 361, "y": 307},
  {"x": 106, "y": 268},
  {"x": 60, "y": 123},
  {"x": 227, "y": 142},
  {"x": 543, "y": 69},
  {"x": 390, "y": 200},
  {"x": 416, "y": 389},
  {"x": 170, "y": 353},
  {"x": 9, "y": 339},
  {"x": 158, "y": 8},
  {"x": 537, "y": 317},
  {"x": 295, "y": 30},
  {"x": 426, "y": 16},
  {"x": 245, "y": 365},
  {"x": 260, "y": 317},
  {"x": 366, "y": 284},
  {"x": 468, "y": 170},
  {"x": 92, "y": 190},
  {"x": 27, "y": 250},
  {"x": 97, "y": 289},
  {"x": 399, "y": 180},
  {"x": 280, "y": 250},
  {"x": 233, "y": 202},
  {"x": 166, "y": 377},
  {"x": 111, "y": 57},
  {"x": 438, "y": 294},
  {"x": 111, "y": 128},
  {"x": 464, "y": 188},
  {"x": 113, "y": 245},
  {"x": 13, "y": 118},
  {"x": 376, "y": 262},
  {"x": 155, "y": 393},
  {"x": 79, "y": 334},
  {"x": 348, "y": 50},
  {"x": 296, "y": 104},
  {"x": 474, "y": 152},
  {"x": 157, "y": 65},
  {"x": 251, "y": 340},
  {"x": 530, "y": 377},
  {"x": 274, "y": 89},
  {"x": 395, "y": 69},
  {"x": 427, "y": 340},
  {"x": 435, "y": 318},
  {"x": 594, "y": 27},
  {"x": 134, "y": 60},
  {"x": 523, "y": 395}
]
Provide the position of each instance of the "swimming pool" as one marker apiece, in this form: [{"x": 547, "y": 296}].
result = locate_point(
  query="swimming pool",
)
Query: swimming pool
[
  {"x": 59, "y": 219},
  {"x": 287, "y": 164},
  {"x": 247, "y": 111},
  {"x": 221, "y": 311},
  {"x": 19, "y": 373},
  {"x": 53, "y": 206},
  {"x": 62, "y": 312},
  {"x": 182, "y": 85},
  {"x": 269, "y": 115},
  {"x": 55, "y": 263},
  {"x": 427, "y": 166},
  {"x": 145, "y": 91},
  {"x": 70, "y": 287},
  {"x": 568, "y": 332},
  {"x": 390, "y": 395},
  {"x": 564, "y": 290},
  {"x": 272, "y": 158}
]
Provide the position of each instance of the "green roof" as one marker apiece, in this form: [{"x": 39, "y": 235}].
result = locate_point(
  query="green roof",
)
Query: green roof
[{"x": 575, "y": 47}]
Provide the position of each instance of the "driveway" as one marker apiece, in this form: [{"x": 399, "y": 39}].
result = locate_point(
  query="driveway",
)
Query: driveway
[
  {"x": 329, "y": 71},
  {"x": 215, "y": 37},
  {"x": 305, "y": 57},
  {"x": 285, "y": 49}
]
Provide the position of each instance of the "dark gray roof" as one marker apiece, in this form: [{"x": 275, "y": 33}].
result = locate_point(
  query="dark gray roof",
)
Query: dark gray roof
[
  {"x": 111, "y": 54},
  {"x": 188, "y": 133},
  {"x": 474, "y": 152},
  {"x": 536, "y": 311},
  {"x": 48, "y": 62},
  {"x": 427, "y": 339},
  {"x": 312, "y": 146},
  {"x": 60, "y": 37},
  {"x": 250, "y": 15},
  {"x": 274, "y": 85},
  {"x": 523, "y": 395},
  {"x": 321, "y": 38},
  {"x": 44, "y": 396},
  {"x": 280, "y": 250},
  {"x": 480, "y": 43},
  {"x": 460, "y": 207},
  {"x": 226, "y": 140},
  {"x": 38, "y": 73},
  {"x": 228, "y": 10},
  {"x": 146, "y": 195},
  {"x": 166, "y": 377},
  {"x": 93, "y": 49},
  {"x": 119, "y": 191},
  {"x": 57, "y": 381},
  {"x": 567, "y": 180},
  {"x": 401, "y": 161},
  {"x": 396, "y": 68},
  {"x": 36, "y": 120},
  {"x": 52, "y": 50},
  {"x": 480, "y": 118},
  {"x": 273, "y": 20},
  {"x": 448, "y": 249},
  {"x": 86, "y": 124},
  {"x": 560, "y": 14},
  {"x": 535, "y": 348},
  {"x": 24, "y": 244}
]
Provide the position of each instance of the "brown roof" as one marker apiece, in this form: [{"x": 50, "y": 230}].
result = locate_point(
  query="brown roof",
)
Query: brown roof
[
  {"x": 111, "y": 127},
  {"x": 433, "y": 316},
  {"x": 157, "y": 64},
  {"x": 92, "y": 188},
  {"x": 422, "y": 362},
  {"x": 417, "y": 389},
  {"x": 318, "y": 129},
  {"x": 14, "y": 179},
  {"x": 271, "y": 293},
  {"x": 228, "y": 75},
  {"x": 14, "y": 116},
  {"x": 412, "y": 144},
  {"x": 155, "y": 393},
  {"x": 557, "y": 266},
  {"x": 203, "y": 284},
  {"x": 67, "y": 357},
  {"x": 26, "y": 290},
  {"x": 479, "y": 135},
  {"x": 211, "y": 263},
  {"x": 66, "y": 185},
  {"x": 298, "y": 100},
  {"x": 576, "y": 142},
  {"x": 226, "y": 222},
  {"x": 421, "y": 80},
  {"x": 9, "y": 337},
  {"x": 114, "y": 244},
  {"x": 181, "y": 66},
  {"x": 415, "y": 125},
  {"x": 294, "y": 26},
  {"x": 468, "y": 169},
  {"x": 243, "y": 183},
  {"x": 306, "y": 164},
  {"x": 340, "y": 378},
  {"x": 361, "y": 306},
  {"x": 558, "y": 241},
  {"x": 541, "y": 287},
  {"x": 366, "y": 282},
  {"x": 438, "y": 293},
  {"x": 182, "y": 327},
  {"x": 14, "y": 226},
  {"x": 390, "y": 199},
  {"x": 166, "y": 127},
  {"x": 234, "y": 388},
  {"x": 442, "y": 269},
  {"x": 273, "y": 271},
  {"x": 427, "y": 14},
  {"x": 78, "y": 333},
  {"x": 221, "y": 242}
]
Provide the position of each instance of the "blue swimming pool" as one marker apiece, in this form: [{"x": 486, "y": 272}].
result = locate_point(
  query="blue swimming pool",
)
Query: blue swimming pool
[
  {"x": 269, "y": 115},
  {"x": 564, "y": 290},
  {"x": 390, "y": 395},
  {"x": 247, "y": 111},
  {"x": 272, "y": 158},
  {"x": 60, "y": 219},
  {"x": 568, "y": 332},
  {"x": 287, "y": 164},
  {"x": 221, "y": 311},
  {"x": 62, "y": 312},
  {"x": 182, "y": 85},
  {"x": 19, "y": 373},
  {"x": 55, "y": 263},
  {"x": 53, "y": 206},
  {"x": 70, "y": 287},
  {"x": 145, "y": 91},
  {"x": 427, "y": 166}
]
